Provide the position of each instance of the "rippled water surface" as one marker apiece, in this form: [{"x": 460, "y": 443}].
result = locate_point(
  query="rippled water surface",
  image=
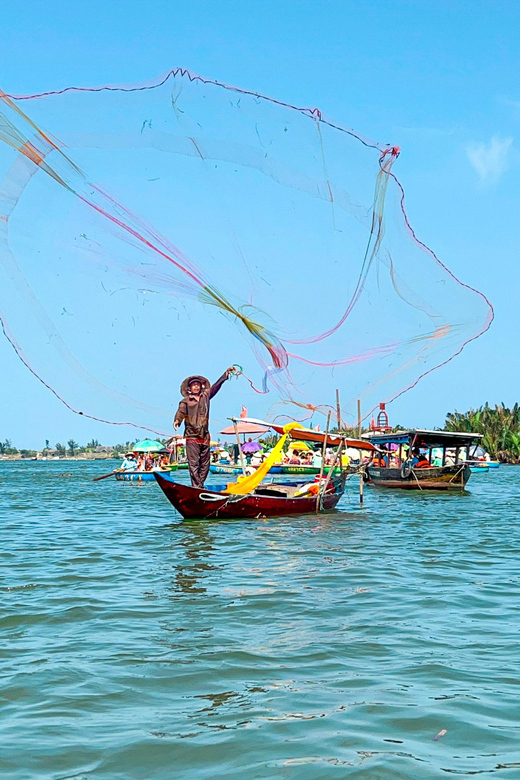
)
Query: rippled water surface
[{"x": 137, "y": 646}]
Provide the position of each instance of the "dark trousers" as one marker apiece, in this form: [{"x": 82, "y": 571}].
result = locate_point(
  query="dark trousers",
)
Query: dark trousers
[{"x": 198, "y": 462}]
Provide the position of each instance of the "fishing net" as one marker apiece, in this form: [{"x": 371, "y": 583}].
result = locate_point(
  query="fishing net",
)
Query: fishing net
[{"x": 178, "y": 226}]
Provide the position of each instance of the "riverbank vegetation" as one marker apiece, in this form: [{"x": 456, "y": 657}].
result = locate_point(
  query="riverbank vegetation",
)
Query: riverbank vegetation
[
  {"x": 93, "y": 449},
  {"x": 499, "y": 425}
]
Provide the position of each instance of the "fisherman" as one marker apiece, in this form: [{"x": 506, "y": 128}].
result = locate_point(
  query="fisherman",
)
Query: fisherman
[{"x": 194, "y": 412}]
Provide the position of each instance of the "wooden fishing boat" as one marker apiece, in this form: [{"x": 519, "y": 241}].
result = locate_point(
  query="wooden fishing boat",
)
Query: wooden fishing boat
[
  {"x": 440, "y": 478},
  {"x": 393, "y": 465},
  {"x": 250, "y": 497},
  {"x": 267, "y": 500}
]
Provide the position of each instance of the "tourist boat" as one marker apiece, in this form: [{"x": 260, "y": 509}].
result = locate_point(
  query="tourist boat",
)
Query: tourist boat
[
  {"x": 251, "y": 498},
  {"x": 149, "y": 447},
  {"x": 399, "y": 445}
]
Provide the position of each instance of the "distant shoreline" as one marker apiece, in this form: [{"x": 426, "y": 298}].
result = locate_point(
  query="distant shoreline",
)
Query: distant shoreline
[{"x": 89, "y": 457}]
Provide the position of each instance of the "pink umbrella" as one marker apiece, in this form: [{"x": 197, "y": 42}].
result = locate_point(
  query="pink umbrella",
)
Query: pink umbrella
[{"x": 247, "y": 428}]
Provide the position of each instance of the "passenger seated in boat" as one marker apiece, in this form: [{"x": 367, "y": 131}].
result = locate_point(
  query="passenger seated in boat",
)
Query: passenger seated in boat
[
  {"x": 379, "y": 461},
  {"x": 419, "y": 460},
  {"x": 317, "y": 459},
  {"x": 294, "y": 460},
  {"x": 258, "y": 458}
]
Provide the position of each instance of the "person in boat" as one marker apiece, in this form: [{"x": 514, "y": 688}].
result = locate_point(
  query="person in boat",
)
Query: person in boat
[
  {"x": 380, "y": 460},
  {"x": 317, "y": 459},
  {"x": 164, "y": 462},
  {"x": 257, "y": 458},
  {"x": 129, "y": 463},
  {"x": 193, "y": 410},
  {"x": 419, "y": 459}
]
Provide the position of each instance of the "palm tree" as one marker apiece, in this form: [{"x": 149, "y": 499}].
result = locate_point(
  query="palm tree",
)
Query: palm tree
[
  {"x": 73, "y": 446},
  {"x": 500, "y": 427},
  {"x": 6, "y": 448},
  {"x": 61, "y": 450}
]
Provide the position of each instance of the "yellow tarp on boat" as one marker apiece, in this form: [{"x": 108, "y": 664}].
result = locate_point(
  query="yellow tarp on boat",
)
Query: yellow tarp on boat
[{"x": 247, "y": 484}]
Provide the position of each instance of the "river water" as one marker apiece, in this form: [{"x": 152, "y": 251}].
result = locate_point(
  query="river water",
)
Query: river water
[{"x": 137, "y": 646}]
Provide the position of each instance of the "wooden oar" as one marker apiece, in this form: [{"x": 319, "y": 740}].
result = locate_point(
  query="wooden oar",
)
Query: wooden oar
[{"x": 106, "y": 476}]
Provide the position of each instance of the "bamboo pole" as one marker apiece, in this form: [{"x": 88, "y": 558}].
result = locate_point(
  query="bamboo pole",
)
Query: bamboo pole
[
  {"x": 332, "y": 467},
  {"x": 338, "y": 409},
  {"x": 359, "y": 418},
  {"x": 241, "y": 454},
  {"x": 323, "y": 451}
]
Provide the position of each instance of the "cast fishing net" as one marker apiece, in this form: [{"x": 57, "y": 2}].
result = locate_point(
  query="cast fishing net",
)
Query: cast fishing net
[{"x": 178, "y": 226}]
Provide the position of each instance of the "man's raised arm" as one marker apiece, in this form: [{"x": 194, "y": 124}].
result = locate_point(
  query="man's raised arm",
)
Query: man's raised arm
[{"x": 218, "y": 384}]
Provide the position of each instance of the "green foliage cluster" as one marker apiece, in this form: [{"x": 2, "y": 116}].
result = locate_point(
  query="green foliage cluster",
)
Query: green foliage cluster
[
  {"x": 6, "y": 448},
  {"x": 71, "y": 449},
  {"x": 499, "y": 425}
]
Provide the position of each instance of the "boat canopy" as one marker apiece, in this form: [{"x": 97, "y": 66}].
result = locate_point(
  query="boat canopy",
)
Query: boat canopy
[
  {"x": 246, "y": 427},
  {"x": 308, "y": 434},
  {"x": 423, "y": 438}
]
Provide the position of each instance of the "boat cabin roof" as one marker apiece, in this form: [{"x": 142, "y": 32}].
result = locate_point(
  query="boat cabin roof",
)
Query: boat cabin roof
[{"x": 424, "y": 438}]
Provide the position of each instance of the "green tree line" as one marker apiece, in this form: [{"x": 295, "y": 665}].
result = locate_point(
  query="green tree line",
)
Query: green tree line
[
  {"x": 499, "y": 425},
  {"x": 70, "y": 449}
]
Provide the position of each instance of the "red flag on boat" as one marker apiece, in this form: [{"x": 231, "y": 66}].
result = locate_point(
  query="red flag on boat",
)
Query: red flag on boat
[{"x": 243, "y": 413}]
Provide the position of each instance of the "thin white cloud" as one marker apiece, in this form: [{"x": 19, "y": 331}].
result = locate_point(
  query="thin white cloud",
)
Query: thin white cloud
[
  {"x": 490, "y": 160},
  {"x": 508, "y": 102}
]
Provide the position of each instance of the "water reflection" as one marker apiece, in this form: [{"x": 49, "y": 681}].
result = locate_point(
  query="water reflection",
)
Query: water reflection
[{"x": 193, "y": 546}]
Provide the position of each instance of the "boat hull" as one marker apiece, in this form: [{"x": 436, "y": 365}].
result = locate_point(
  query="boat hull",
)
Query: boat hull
[
  {"x": 288, "y": 469},
  {"x": 139, "y": 476},
  {"x": 437, "y": 478},
  {"x": 222, "y": 468},
  {"x": 196, "y": 504}
]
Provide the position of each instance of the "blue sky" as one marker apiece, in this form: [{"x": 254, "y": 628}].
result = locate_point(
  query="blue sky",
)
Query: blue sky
[{"x": 439, "y": 79}]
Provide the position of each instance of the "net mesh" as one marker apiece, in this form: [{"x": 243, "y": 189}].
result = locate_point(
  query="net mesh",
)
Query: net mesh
[{"x": 149, "y": 230}]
